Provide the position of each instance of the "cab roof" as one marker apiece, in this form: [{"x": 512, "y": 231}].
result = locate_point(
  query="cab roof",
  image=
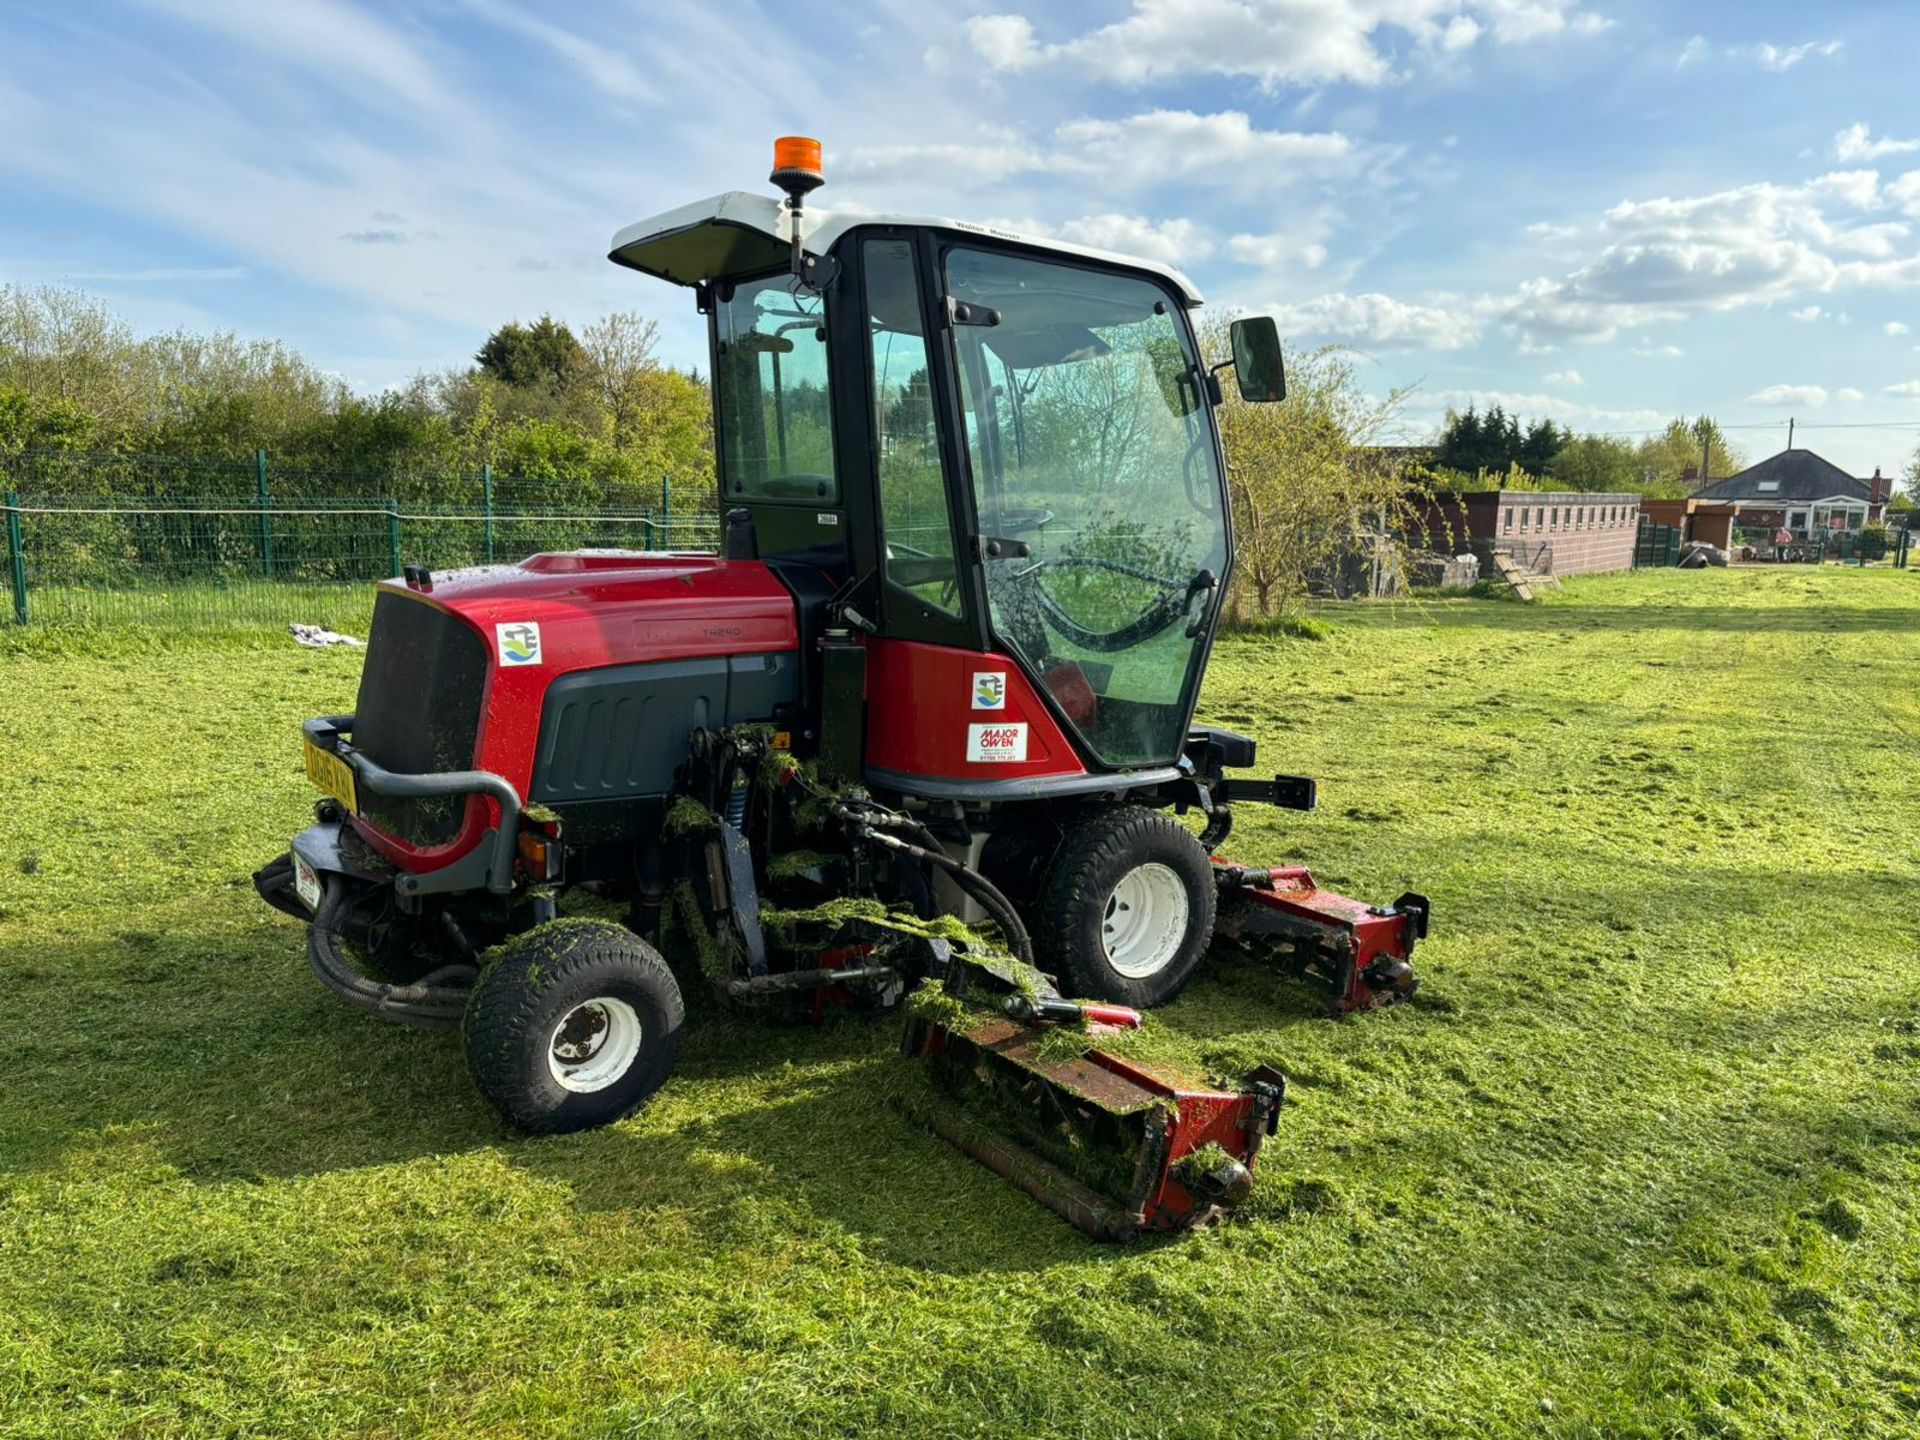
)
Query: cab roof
[{"x": 740, "y": 233}]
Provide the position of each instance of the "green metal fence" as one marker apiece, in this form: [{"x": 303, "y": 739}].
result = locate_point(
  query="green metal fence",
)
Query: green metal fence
[
  {"x": 1656, "y": 545},
  {"x": 81, "y": 557}
]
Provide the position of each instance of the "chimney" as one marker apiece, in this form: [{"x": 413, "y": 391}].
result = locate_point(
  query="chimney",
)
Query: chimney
[{"x": 1876, "y": 489}]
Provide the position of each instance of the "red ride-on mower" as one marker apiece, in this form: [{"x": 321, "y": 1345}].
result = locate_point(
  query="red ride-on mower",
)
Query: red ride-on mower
[{"x": 919, "y": 731}]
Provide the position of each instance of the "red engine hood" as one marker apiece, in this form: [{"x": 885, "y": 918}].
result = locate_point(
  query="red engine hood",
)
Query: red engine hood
[
  {"x": 553, "y": 615},
  {"x": 594, "y": 608}
]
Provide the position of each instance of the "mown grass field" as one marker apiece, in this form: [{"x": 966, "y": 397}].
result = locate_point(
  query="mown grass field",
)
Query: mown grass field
[{"x": 1643, "y": 1160}]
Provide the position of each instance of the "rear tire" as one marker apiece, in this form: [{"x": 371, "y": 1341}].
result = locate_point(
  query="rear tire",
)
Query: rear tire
[
  {"x": 572, "y": 1025},
  {"x": 1128, "y": 907}
]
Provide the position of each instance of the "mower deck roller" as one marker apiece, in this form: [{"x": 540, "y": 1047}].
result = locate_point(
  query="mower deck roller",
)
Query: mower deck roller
[
  {"x": 1361, "y": 952},
  {"x": 925, "y": 720},
  {"x": 1112, "y": 1147}
]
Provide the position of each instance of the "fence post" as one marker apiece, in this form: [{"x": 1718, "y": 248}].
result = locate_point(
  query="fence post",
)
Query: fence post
[
  {"x": 266, "y": 522},
  {"x": 17, "y": 555},
  {"x": 486, "y": 501},
  {"x": 666, "y": 515},
  {"x": 393, "y": 536}
]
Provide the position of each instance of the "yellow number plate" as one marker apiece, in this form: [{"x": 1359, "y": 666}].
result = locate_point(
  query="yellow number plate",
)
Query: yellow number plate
[{"x": 331, "y": 774}]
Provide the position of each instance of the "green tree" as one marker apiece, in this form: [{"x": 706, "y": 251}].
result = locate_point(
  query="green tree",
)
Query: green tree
[
  {"x": 1542, "y": 442},
  {"x": 1493, "y": 444},
  {"x": 1686, "y": 443},
  {"x": 543, "y": 355},
  {"x": 1461, "y": 446},
  {"x": 1308, "y": 485},
  {"x": 41, "y": 423},
  {"x": 596, "y": 419},
  {"x": 1598, "y": 464}
]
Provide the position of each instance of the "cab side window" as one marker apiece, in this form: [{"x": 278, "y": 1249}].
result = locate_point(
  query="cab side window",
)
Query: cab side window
[
  {"x": 776, "y": 432},
  {"x": 915, "y": 521}
]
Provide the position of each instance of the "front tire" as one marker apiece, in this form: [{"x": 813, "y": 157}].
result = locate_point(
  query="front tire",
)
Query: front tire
[
  {"x": 572, "y": 1025},
  {"x": 1128, "y": 908}
]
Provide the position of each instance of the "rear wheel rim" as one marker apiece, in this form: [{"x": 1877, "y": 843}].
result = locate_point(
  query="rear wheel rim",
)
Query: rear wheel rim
[
  {"x": 1145, "y": 924},
  {"x": 594, "y": 1044}
]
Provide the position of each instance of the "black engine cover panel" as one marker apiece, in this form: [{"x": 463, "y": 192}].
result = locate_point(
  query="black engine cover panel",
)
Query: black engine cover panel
[{"x": 620, "y": 732}]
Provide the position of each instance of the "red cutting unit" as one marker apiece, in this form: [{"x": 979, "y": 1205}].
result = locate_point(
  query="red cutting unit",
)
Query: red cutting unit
[{"x": 1362, "y": 950}]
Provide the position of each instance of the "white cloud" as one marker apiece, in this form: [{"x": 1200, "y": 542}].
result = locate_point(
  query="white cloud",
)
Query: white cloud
[
  {"x": 335, "y": 43},
  {"x": 1810, "y": 397},
  {"x": 1151, "y": 148},
  {"x": 1668, "y": 260},
  {"x": 1858, "y": 188},
  {"x": 175, "y": 275},
  {"x": 329, "y": 122},
  {"x": 1905, "y": 193},
  {"x": 1376, "y": 319},
  {"x": 1460, "y": 33},
  {"x": 1004, "y": 41},
  {"x": 1895, "y": 327},
  {"x": 1905, "y": 390},
  {"x": 1273, "y": 251},
  {"x": 607, "y": 68},
  {"x": 1546, "y": 230},
  {"x": 1172, "y": 242},
  {"x": 990, "y": 161},
  {"x": 1694, "y": 49},
  {"x": 1163, "y": 144},
  {"x": 1276, "y": 42},
  {"x": 1566, "y": 377},
  {"x": 1847, "y": 395},
  {"x": 1545, "y": 406},
  {"x": 1856, "y": 143},
  {"x": 1779, "y": 59},
  {"x": 1658, "y": 352}
]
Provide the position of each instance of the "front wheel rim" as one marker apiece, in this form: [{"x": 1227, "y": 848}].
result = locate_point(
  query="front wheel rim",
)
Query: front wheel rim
[
  {"x": 594, "y": 1044},
  {"x": 1145, "y": 924}
]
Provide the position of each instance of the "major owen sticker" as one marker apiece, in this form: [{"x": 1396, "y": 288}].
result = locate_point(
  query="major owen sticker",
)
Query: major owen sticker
[{"x": 1005, "y": 744}]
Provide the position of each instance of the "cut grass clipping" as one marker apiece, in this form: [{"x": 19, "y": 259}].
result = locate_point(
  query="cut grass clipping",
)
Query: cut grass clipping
[{"x": 1643, "y": 1160}]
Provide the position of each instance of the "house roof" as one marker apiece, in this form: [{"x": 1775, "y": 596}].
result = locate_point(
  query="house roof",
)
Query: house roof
[{"x": 1791, "y": 475}]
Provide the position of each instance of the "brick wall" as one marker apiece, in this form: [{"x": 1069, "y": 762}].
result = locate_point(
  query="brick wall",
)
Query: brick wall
[
  {"x": 1588, "y": 533},
  {"x": 1585, "y": 554}
]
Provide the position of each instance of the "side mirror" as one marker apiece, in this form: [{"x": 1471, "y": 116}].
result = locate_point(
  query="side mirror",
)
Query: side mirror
[{"x": 1256, "y": 359}]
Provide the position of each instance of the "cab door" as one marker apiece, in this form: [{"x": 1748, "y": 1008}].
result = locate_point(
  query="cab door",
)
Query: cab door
[{"x": 921, "y": 561}]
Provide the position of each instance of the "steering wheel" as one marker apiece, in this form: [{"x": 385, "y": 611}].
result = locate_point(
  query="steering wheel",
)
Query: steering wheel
[
  {"x": 1012, "y": 520},
  {"x": 1171, "y": 605}
]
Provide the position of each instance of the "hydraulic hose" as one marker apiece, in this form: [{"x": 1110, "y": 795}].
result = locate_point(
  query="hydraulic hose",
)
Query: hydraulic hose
[
  {"x": 998, "y": 907},
  {"x": 422, "y": 1003}
]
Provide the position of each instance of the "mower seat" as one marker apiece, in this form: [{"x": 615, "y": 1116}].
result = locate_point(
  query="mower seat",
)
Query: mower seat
[{"x": 1073, "y": 692}]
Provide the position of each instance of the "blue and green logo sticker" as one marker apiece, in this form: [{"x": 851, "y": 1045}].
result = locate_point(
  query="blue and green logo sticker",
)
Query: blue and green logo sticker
[{"x": 518, "y": 643}]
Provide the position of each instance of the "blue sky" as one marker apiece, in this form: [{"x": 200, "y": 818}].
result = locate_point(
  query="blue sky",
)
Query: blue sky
[{"x": 1605, "y": 210}]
